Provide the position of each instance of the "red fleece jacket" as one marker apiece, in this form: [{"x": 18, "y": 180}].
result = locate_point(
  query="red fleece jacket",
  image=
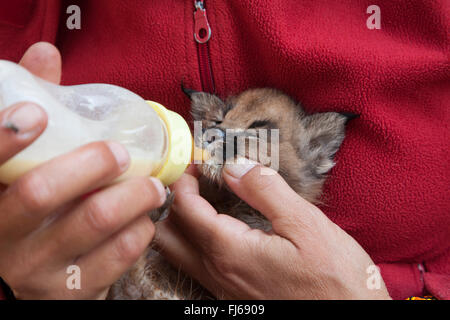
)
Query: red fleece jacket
[{"x": 390, "y": 187}]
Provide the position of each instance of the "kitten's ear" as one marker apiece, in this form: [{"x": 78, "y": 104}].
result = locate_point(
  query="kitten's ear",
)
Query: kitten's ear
[
  {"x": 205, "y": 105},
  {"x": 188, "y": 92},
  {"x": 324, "y": 133},
  {"x": 349, "y": 116}
]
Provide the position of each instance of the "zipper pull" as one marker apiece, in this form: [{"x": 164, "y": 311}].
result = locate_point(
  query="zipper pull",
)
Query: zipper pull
[{"x": 202, "y": 30}]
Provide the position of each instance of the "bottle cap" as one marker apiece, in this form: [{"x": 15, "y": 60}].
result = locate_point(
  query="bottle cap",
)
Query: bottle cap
[{"x": 180, "y": 144}]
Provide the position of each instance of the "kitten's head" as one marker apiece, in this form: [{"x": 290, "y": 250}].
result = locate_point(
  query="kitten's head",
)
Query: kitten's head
[{"x": 240, "y": 125}]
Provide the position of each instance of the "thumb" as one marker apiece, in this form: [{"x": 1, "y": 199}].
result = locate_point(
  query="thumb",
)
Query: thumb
[
  {"x": 266, "y": 191},
  {"x": 43, "y": 60}
]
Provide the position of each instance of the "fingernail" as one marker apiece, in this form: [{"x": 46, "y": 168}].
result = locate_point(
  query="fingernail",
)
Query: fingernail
[
  {"x": 25, "y": 119},
  {"x": 240, "y": 167},
  {"x": 160, "y": 188},
  {"x": 120, "y": 153}
]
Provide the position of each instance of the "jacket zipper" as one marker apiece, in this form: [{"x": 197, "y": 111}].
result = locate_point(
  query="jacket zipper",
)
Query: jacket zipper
[{"x": 202, "y": 34}]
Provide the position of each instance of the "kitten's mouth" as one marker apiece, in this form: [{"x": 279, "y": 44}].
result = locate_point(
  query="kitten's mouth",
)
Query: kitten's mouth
[
  {"x": 229, "y": 146},
  {"x": 212, "y": 161},
  {"x": 214, "y": 157},
  {"x": 200, "y": 155}
]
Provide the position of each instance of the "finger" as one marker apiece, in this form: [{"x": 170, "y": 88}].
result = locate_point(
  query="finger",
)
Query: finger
[
  {"x": 180, "y": 252},
  {"x": 104, "y": 265},
  {"x": 199, "y": 220},
  {"x": 40, "y": 191},
  {"x": 187, "y": 183},
  {"x": 266, "y": 191},
  {"x": 20, "y": 125},
  {"x": 178, "y": 249},
  {"x": 192, "y": 170},
  {"x": 43, "y": 60},
  {"x": 99, "y": 216}
]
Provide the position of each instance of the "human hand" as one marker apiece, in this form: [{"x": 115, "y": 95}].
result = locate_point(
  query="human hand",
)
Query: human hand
[
  {"x": 45, "y": 224},
  {"x": 305, "y": 256}
]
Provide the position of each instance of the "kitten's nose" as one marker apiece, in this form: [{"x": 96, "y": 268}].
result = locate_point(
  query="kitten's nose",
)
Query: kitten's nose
[{"x": 211, "y": 135}]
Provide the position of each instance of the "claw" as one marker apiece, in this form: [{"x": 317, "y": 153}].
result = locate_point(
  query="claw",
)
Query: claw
[{"x": 163, "y": 211}]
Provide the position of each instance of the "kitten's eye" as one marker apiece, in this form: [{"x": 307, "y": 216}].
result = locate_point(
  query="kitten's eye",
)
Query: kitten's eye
[
  {"x": 259, "y": 124},
  {"x": 214, "y": 123}
]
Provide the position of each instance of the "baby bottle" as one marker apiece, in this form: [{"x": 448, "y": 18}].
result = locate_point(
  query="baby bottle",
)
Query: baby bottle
[{"x": 158, "y": 140}]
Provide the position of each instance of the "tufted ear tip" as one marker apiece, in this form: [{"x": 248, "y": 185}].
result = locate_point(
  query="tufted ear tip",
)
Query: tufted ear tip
[
  {"x": 188, "y": 92},
  {"x": 349, "y": 116}
]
